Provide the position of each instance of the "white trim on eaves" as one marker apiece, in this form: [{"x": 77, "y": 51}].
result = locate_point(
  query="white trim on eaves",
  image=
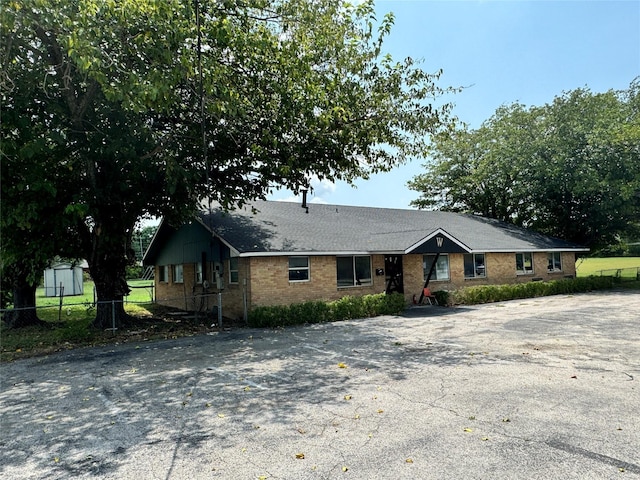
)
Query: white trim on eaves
[{"x": 394, "y": 252}]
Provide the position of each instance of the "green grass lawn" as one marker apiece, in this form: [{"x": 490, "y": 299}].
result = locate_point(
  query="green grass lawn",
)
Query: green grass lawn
[
  {"x": 81, "y": 308},
  {"x": 593, "y": 266},
  {"x": 141, "y": 292}
]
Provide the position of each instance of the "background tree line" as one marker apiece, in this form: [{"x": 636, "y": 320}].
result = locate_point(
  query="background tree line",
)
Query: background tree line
[{"x": 570, "y": 169}]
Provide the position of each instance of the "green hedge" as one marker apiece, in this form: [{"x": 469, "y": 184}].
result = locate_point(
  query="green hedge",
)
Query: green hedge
[
  {"x": 381, "y": 304},
  {"x": 316, "y": 311},
  {"x": 500, "y": 293}
]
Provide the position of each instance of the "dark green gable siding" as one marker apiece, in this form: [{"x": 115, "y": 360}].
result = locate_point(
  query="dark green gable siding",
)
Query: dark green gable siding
[{"x": 188, "y": 244}]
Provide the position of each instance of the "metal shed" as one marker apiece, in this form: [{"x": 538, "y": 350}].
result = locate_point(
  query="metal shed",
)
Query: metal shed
[{"x": 63, "y": 279}]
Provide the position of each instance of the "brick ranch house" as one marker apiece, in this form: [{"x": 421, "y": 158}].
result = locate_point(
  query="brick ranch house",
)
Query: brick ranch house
[{"x": 271, "y": 253}]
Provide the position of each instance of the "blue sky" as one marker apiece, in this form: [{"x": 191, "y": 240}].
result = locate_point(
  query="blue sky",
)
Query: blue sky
[{"x": 503, "y": 52}]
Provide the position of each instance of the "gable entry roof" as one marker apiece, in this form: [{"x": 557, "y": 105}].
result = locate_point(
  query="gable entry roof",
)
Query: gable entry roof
[{"x": 279, "y": 228}]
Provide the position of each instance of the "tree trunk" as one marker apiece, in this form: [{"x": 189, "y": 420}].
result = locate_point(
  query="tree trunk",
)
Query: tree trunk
[
  {"x": 111, "y": 286},
  {"x": 24, "y": 313},
  {"x": 108, "y": 264}
]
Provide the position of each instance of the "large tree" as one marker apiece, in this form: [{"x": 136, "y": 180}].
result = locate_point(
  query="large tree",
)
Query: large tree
[
  {"x": 35, "y": 190},
  {"x": 569, "y": 169},
  {"x": 161, "y": 103}
]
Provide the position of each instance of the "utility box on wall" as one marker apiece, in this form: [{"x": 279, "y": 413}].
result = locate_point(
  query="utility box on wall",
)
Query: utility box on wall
[{"x": 63, "y": 279}]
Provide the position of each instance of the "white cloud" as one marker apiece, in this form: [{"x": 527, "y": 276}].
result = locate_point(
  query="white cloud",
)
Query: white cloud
[
  {"x": 320, "y": 192},
  {"x": 290, "y": 198},
  {"x": 322, "y": 187}
]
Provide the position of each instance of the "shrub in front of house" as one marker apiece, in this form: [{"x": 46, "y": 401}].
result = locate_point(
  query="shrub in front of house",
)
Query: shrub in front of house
[
  {"x": 345, "y": 308},
  {"x": 500, "y": 293}
]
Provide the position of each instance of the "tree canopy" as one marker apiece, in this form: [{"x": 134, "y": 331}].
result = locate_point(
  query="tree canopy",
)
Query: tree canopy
[
  {"x": 146, "y": 107},
  {"x": 570, "y": 168}
]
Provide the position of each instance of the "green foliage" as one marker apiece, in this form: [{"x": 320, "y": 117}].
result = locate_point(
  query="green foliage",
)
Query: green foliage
[
  {"x": 6, "y": 295},
  {"x": 346, "y": 308},
  {"x": 134, "y": 272},
  {"x": 141, "y": 240},
  {"x": 442, "y": 297},
  {"x": 499, "y": 293},
  {"x": 569, "y": 169}
]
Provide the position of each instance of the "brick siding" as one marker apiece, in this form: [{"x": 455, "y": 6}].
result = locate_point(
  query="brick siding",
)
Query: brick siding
[
  {"x": 265, "y": 281},
  {"x": 500, "y": 269}
]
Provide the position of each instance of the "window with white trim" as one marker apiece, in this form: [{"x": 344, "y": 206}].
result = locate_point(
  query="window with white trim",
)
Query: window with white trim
[
  {"x": 524, "y": 263},
  {"x": 163, "y": 273},
  {"x": 298, "y": 269},
  {"x": 474, "y": 265},
  {"x": 441, "y": 270},
  {"x": 554, "y": 261},
  {"x": 233, "y": 270},
  {"x": 177, "y": 274},
  {"x": 353, "y": 271}
]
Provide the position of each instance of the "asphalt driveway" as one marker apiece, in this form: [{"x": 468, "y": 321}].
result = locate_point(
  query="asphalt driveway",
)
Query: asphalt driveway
[{"x": 542, "y": 388}]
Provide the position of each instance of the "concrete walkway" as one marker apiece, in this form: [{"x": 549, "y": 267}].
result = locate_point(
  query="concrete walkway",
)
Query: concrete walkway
[{"x": 543, "y": 388}]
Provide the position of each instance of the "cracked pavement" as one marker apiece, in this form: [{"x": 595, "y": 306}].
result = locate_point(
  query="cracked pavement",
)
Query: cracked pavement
[{"x": 536, "y": 388}]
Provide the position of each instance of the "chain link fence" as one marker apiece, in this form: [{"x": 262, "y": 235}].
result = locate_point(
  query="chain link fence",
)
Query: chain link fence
[
  {"x": 197, "y": 307},
  {"x": 621, "y": 274}
]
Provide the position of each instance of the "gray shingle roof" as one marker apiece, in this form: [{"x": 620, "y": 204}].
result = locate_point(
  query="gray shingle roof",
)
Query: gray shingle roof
[{"x": 285, "y": 227}]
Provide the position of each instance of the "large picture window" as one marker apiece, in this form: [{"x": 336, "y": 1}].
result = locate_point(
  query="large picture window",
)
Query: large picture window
[
  {"x": 353, "y": 271},
  {"x": 474, "y": 266},
  {"x": 524, "y": 263},
  {"x": 441, "y": 271},
  {"x": 233, "y": 270},
  {"x": 177, "y": 274},
  {"x": 555, "y": 261},
  {"x": 298, "y": 269}
]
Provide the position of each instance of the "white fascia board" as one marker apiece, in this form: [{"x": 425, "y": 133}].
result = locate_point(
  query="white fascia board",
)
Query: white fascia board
[
  {"x": 530, "y": 250},
  {"x": 235, "y": 253},
  {"x": 317, "y": 253}
]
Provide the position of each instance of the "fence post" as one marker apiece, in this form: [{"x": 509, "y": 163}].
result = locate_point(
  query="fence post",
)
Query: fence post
[
  {"x": 220, "y": 310},
  {"x": 113, "y": 317},
  {"x": 61, "y": 298},
  {"x": 245, "y": 313}
]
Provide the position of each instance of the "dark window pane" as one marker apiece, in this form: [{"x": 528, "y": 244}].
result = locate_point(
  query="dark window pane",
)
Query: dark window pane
[
  {"x": 363, "y": 270},
  {"x": 344, "y": 268},
  {"x": 297, "y": 262},
  {"x": 469, "y": 267},
  {"x": 297, "y": 275}
]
